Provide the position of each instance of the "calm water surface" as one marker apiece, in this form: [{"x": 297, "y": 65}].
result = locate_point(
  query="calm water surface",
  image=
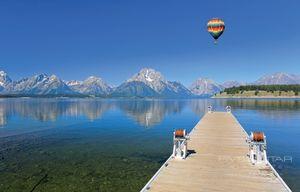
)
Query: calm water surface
[{"x": 117, "y": 145}]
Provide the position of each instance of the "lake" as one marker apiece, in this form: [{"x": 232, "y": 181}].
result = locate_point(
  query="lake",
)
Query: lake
[{"x": 63, "y": 144}]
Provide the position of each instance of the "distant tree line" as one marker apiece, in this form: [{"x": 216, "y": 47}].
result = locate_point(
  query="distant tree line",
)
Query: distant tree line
[{"x": 268, "y": 88}]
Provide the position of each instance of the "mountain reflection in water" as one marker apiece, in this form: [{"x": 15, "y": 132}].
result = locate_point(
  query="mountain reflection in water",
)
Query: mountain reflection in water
[{"x": 145, "y": 112}]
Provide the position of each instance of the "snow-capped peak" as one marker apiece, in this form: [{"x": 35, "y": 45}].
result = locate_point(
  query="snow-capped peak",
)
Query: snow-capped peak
[
  {"x": 148, "y": 74},
  {"x": 40, "y": 85},
  {"x": 4, "y": 79},
  {"x": 73, "y": 82},
  {"x": 2, "y": 73},
  {"x": 54, "y": 78},
  {"x": 278, "y": 78},
  {"x": 93, "y": 79},
  {"x": 150, "y": 77},
  {"x": 205, "y": 86},
  {"x": 91, "y": 86}
]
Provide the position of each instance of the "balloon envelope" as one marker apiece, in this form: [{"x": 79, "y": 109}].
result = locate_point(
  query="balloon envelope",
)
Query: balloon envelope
[{"x": 215, "y": 27}]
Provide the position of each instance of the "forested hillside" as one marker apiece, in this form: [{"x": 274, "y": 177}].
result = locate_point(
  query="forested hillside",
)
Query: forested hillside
[{"x": 262, "y": 90}]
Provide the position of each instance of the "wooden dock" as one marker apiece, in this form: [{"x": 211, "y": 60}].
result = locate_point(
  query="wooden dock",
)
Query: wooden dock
[{"x": 218, "y": 162}]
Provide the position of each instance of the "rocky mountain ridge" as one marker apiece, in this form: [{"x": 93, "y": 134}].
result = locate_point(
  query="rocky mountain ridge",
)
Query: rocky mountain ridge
[{"x": 146, "y": 83}]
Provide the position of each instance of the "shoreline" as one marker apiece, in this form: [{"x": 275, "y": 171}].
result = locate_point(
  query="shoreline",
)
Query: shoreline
[{"x": 255, "y": 97}]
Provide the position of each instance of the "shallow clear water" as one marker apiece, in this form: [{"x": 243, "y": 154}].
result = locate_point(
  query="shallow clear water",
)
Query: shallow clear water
[{"x": 117, "y": 145}]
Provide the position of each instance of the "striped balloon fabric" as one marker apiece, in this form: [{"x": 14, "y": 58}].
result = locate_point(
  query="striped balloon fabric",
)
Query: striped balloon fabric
[{"x": 215, "y": 27}]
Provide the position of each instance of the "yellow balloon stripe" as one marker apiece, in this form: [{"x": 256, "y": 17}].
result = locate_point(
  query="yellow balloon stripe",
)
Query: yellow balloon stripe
[{"x": 215, "y": 22}]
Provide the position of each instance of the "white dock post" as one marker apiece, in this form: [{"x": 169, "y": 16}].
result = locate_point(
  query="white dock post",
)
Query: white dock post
[
  {"x": 180, "y": 144},
  {"x": 228, "y": 109},
  {"x": 209, "y": 109},
  {"x": 257, "y": 148}
]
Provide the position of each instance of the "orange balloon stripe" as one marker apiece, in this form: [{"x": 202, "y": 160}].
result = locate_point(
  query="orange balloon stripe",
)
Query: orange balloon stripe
[{"x": 215, "y": 29}]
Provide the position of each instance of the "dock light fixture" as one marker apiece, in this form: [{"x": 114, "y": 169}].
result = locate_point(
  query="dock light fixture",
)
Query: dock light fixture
[
  {"x": 228, "y": 109},
  {"x": 209, "y": 109},
  {"x": 257, "y": 148},
  {"x": 180, "y": 144}
]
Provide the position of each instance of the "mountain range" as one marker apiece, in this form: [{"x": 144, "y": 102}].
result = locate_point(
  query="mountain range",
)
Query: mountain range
[
  {"x": 91, "y": 86},
  {"x": 147, "y": 83},
  {"x": 205, "y": 87},
  {"x": 278, "y": 79}
]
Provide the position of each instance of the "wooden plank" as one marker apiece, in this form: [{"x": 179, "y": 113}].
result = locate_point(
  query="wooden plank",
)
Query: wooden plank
[{"x": 220, "y": 162}]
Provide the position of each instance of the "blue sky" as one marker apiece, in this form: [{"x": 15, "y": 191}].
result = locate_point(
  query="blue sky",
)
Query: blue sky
[{"x": 114, "y": 39}]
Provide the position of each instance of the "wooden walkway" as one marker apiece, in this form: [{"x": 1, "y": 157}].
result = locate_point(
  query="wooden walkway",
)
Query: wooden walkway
[{"x": 219, "y": 162}]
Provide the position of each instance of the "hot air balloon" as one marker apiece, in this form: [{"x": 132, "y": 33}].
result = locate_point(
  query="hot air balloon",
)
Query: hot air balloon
[{"x": 216, "y": 27}]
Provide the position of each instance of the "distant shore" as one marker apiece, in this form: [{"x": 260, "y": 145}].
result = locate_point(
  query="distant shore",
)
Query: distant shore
[
  {"x": 255, "y": 97},
  {"x": 261, "y": 91}
]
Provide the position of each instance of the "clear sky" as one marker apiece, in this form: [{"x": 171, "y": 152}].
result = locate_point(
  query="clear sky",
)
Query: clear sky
[{"x": 114, "y": 39}]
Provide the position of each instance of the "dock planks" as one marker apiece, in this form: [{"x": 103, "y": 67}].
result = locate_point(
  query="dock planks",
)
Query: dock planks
[{"x": 220, "y": 162}]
